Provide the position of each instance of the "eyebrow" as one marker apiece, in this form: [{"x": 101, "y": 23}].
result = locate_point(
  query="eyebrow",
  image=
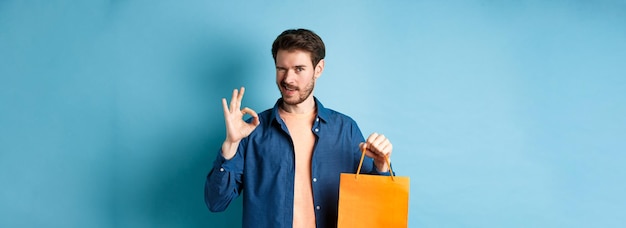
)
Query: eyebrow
[{"x": 296, "y": 66}]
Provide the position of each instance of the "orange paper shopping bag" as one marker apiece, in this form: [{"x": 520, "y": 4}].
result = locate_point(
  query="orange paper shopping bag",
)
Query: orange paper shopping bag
[{"x": 373, "y": 200}]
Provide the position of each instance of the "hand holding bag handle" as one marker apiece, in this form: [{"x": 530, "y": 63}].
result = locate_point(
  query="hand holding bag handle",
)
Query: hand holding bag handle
[{"x": 361, "y": 164}]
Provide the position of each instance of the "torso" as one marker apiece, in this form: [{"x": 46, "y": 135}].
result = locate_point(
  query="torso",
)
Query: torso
[{"x": 300, "y": 126}]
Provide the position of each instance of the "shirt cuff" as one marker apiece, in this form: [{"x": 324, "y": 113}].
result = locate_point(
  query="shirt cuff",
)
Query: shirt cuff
[
  {"x": 388, "y": 173},
  {"x": 222, "y": 165}
]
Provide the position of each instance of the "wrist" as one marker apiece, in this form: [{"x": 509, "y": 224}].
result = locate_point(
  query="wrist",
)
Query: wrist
[
  {"x": 381, "y": 166},
  {"x": 229, "y": 149}
]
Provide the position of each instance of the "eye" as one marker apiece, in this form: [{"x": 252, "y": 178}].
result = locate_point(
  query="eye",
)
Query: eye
[{"x": 299, "y": 69}]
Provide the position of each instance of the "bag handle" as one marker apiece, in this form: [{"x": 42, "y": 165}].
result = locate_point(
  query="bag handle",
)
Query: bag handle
[{"x": 361, "y": 164}]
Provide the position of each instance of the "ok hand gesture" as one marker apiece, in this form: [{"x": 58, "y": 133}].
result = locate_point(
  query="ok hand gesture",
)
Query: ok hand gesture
[{"x": 236, "y": 127}]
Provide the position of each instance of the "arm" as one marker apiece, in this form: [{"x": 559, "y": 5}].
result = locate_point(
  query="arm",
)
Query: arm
[{"x": 224, "y": 181}]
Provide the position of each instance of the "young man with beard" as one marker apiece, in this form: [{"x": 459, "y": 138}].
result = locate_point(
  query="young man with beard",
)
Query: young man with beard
[{"x": 286, "y": 160}]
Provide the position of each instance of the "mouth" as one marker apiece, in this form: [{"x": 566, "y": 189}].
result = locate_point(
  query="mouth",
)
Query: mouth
[{"x": 289, "y": 88}]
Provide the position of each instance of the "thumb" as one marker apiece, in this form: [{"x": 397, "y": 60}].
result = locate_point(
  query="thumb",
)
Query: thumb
[
  {"x": 255, "y": 121},
  {"x": 368, "y": 153},
  {"x": 363, "y": 146}
]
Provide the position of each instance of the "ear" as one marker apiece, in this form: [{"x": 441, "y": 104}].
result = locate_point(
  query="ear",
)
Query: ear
[{"x": 319, "y": 69}]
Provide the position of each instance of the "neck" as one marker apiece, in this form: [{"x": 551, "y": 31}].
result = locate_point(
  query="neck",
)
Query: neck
[{"x": 307, "y": 106}]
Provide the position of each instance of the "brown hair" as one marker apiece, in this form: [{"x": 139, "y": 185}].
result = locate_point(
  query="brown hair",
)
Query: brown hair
[{"x": 300, "y": 39}]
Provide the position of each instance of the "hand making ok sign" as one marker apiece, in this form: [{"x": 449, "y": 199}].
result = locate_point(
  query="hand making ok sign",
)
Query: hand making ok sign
[{"x": 236, "y": 127}]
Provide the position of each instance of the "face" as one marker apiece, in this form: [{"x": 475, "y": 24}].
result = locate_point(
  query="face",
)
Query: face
[{"x": 295, "y": 75}]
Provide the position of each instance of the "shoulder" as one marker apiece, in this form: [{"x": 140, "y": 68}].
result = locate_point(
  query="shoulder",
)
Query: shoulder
[
  {"x": 339, "y": 115},
  {"x": 340, "y": 125},
  {"x": 336, "y": 117},
  {"x": 266, "y": 114},
  {"x": 331, "y": 115}
]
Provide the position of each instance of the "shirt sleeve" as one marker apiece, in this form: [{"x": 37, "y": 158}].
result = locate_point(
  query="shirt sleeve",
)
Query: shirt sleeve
[{"x": 224, "y": 181}]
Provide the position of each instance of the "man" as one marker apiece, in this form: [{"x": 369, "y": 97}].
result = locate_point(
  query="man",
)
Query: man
[{"x": 286, "y": 160}]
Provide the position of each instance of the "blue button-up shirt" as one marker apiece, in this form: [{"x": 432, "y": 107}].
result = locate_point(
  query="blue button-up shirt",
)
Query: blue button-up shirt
[{"x": 263, "y": 169}]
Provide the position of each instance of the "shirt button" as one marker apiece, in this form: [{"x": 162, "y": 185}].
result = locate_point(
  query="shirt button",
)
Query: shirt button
[
  {"x": 317, "y": 207},
  {"x": 317, "y": 129},
  {"x": 317, "y": 119},
  {"x": 221, "y": 169},
  {"x": 314, "y": 179}
]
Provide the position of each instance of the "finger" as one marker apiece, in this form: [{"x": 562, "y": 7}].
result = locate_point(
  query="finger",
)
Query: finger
[
  {"x": 386, "y": 148},
  {"x": 241, "y": 91},
  {"x": 375, "y": 156},
  {"x": 249, "y": 111},
  {"x": 370, "y": 154},
  {"x": 374, "y": 141},
  {"x": 233, "y": 101},
  {"x": 225, "y": 107},
  {"x": 255, "y": 116},
  {"x": 363, "y": 147},
  {"x": 240, "y": 97},
  {"x": 371, "y": 138},
  {"x": 379, "y": 141}
]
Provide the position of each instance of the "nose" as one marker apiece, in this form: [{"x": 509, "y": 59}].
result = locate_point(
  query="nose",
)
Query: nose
[{"x": 290, "y": 76}]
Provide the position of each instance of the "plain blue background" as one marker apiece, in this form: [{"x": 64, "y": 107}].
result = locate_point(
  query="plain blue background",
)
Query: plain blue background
[{"x": 503, "y": 113}]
